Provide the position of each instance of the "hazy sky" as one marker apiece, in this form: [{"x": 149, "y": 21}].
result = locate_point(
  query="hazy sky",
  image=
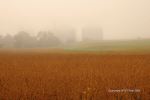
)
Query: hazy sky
[{"x": 118, "y": 18}]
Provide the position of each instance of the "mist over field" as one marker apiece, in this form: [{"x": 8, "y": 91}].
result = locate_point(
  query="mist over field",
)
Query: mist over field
[
  {"x": 127, "y": 19},
  {"x": 75, "y": 24}
]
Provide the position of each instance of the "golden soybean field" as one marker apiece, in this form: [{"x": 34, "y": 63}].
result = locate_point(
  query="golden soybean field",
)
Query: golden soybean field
[{"x": 73, "y": 76}]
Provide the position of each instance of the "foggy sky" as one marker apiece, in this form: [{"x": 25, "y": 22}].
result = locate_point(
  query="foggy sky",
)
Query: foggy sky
[{"x": 118, "y": 18}]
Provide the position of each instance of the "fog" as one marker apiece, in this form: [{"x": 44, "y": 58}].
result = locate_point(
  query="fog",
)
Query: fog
[{"x": 119, "y": 19}]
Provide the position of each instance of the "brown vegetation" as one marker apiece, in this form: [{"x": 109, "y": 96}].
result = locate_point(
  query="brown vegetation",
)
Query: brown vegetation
[{"x": 66, "y": 76}]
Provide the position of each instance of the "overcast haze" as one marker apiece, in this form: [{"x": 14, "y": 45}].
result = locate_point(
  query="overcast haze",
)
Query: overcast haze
[{"x": 118, "y": 18}]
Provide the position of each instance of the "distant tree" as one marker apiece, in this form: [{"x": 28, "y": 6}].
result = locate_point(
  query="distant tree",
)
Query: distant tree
[
  {"x": 24, "y": 40},
  {"x": 71, "y": 37},
  {"x": 47, "y": 39},
  {"x": 139, "y": 38},
  {"x": 1, "y": 41},
  {"x": 7, "y": 41},
  {"x": 66, "y": 35}
]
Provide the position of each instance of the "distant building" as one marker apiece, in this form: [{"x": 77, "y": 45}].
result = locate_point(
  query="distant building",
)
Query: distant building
[{"x": 92, "y": 34}]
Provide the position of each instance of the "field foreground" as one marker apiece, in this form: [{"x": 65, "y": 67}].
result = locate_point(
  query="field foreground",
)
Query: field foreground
[{"x": 67, "y": 76}]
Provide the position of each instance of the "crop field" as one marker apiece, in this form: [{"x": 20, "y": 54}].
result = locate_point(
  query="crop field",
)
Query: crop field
[{"x": 74, "y": 76}]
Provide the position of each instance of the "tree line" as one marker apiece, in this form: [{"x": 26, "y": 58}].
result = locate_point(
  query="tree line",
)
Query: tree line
[{"x": 24, "y": 40}]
